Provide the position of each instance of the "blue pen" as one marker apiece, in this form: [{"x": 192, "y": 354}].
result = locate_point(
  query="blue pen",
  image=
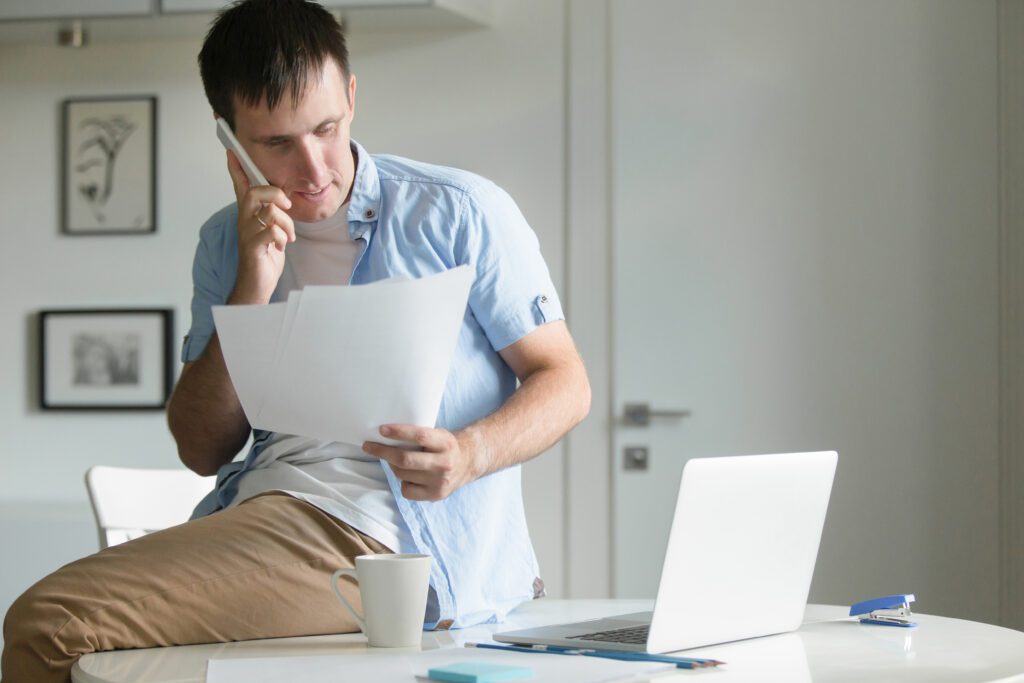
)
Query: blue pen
[
  {"x": 680, "y": 662},
  {"x": 639, "y": 656}
]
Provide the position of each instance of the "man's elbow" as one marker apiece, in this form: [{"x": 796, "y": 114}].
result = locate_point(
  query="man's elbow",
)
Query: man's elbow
[
  {"x": 194, "y": 457},
  {"x": 190, "y": 456},
  {"x": 201, "y": 466},
  {"x": 582, "y": 393}
]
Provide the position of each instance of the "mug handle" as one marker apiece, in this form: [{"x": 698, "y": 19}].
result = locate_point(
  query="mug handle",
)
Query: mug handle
[{"x": 334, "y": 586}]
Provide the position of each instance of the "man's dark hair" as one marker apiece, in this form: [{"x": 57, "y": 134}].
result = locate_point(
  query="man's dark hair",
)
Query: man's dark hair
[{"x": 266, "y": 48}]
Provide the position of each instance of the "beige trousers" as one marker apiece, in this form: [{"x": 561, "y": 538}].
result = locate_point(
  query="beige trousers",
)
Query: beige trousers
[{"x": 259, "y": 570}]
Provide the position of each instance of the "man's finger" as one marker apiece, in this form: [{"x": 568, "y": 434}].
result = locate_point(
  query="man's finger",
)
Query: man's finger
[
  {"x": 269, "y": 216},
  {"x": 252, "y": 198},
  {"x": 425, "y": 437},
  {"x": 282, "y": 220},
  {"x": 399, "y": 457},
  {"x": 280, "y": 238},
  {"x": 420, "y": 477},
  {"x": 238, "y": 177},
  {"x": 411, "y": 491}
]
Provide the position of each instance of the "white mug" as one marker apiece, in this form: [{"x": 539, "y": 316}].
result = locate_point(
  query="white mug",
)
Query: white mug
[{"x": 394, "y": 592}]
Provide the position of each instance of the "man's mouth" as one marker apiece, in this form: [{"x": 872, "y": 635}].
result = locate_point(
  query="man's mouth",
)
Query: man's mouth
[{"x": 313, "y": 195}]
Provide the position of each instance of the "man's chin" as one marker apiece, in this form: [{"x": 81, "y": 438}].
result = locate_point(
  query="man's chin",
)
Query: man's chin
[{"x": 305, "y": 212}]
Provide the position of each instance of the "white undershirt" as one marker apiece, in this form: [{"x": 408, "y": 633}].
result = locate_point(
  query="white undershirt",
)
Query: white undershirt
[
  {"x": 323, "y": 254},
  {"x": 338, "y": 478}
]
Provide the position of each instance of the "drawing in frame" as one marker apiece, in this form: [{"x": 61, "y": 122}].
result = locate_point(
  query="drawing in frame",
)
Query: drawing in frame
[
  {"x": 105, "y": 359},
  {"x": 108, "y": 179}
]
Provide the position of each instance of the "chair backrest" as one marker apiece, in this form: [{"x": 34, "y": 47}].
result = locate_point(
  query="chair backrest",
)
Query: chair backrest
[{"x": 129, "y": 503}]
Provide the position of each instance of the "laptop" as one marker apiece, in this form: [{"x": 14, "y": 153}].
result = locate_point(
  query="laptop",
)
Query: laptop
[{"x": 739, "y": 560}]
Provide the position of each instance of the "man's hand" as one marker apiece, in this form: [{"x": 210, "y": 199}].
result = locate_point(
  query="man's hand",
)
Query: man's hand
[
  {"x": 434, "y": 464},
  {"x": 263, "y": 231}
]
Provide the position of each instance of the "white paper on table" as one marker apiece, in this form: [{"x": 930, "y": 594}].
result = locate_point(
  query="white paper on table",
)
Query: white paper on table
[
  {"x": 347, "y": 359},
  {"x": 405, "y": 667}
]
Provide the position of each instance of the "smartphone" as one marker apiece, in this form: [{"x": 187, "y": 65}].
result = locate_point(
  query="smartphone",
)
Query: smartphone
[{"x": 231, "y": 142}]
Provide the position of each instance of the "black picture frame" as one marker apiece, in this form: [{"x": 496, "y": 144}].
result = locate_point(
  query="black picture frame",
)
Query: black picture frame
[
  {"x": 105, "y": 359},
  {"x": 108, "y": 165}
]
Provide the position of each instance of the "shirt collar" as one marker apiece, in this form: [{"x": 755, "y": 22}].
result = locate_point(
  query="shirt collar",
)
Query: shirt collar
[{"x": 364, "y": 202}]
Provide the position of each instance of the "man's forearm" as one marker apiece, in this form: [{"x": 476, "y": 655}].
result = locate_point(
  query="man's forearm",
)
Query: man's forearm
[
  {"x": 204, "y": 414},
  {"x": 543, "y": 409}
]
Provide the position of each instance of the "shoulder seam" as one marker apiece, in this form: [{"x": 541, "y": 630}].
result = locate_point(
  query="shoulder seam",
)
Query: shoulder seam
[{"x": 427, "y": 181}]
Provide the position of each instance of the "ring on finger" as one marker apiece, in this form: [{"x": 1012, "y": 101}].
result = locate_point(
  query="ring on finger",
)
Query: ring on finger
[{"x": 260, "y": 218}]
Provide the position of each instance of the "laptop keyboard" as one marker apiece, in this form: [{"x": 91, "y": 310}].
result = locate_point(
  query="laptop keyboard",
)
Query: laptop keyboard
[{"x": 634, "y": 635}]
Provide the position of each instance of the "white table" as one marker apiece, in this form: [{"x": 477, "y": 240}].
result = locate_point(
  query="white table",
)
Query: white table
[{"x": 823, "y": 649}]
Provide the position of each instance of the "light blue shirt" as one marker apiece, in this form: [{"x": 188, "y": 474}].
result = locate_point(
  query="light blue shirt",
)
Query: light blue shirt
[{"x": 415, "y": 220}]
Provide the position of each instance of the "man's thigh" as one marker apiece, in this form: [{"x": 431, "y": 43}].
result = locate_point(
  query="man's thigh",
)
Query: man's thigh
[{"x": 258, "y": 570}]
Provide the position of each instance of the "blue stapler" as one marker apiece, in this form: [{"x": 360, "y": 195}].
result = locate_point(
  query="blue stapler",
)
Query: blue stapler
[{"x": 892, "y": 610}]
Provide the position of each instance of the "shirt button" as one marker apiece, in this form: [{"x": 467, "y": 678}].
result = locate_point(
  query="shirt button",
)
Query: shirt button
[
  {"x": 370, "y": 213},
  {"x": 543, "y": 299}
]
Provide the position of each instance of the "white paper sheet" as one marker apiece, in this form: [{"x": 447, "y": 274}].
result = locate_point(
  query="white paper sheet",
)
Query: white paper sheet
[
  {"x": 405, "y": 667},
  {"x": 248, "y": 337},
  {"x": 335, "y": 363}
]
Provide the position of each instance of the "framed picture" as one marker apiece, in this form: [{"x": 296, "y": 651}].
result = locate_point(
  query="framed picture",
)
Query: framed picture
[
  {"x": 109, "y": 168},
  {"x": 117, "y": 359}
]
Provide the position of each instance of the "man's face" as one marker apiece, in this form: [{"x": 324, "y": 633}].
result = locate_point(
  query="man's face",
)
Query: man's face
[{"x": 304, "y": 149}]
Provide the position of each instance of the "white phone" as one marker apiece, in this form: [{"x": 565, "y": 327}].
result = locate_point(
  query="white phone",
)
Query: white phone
[{"x": 231, "y": 142}]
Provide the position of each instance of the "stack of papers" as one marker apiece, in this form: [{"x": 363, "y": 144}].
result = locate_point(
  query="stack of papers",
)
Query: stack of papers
[{"x": 335, "y": 363}]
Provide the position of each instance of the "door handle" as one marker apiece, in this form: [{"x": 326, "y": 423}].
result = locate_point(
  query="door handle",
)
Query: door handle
[{"x": 640, "y": 414}]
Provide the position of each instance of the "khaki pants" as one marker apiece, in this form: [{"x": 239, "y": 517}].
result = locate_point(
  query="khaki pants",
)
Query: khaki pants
[{"x": 259, "y": 570}]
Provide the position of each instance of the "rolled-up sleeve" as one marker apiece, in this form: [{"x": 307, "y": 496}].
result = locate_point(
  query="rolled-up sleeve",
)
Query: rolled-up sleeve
[{"x": 512, "y": 293}]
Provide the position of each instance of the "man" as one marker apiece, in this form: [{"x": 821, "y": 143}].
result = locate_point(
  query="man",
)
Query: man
[{"x": 295, "y": 509}]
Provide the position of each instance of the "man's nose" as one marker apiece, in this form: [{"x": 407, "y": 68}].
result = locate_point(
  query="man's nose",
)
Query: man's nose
[{"x": 312, "y": 166}]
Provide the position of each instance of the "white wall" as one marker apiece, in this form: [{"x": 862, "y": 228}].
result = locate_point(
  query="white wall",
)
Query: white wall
[{"x": 489, "y": 100}]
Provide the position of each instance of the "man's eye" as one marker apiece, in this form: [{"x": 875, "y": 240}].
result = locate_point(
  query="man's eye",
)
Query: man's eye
[{"x": 327, "y": 130}]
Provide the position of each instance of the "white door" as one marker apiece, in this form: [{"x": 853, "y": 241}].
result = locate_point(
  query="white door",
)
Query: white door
[{"x": 804, "y": 225}]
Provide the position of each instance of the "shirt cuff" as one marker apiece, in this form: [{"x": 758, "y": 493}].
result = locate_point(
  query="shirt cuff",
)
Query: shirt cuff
[{"x": 193, "y": 347}]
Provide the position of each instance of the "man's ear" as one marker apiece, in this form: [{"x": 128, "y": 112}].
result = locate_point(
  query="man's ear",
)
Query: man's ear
[{"x": 352, "y": 95}]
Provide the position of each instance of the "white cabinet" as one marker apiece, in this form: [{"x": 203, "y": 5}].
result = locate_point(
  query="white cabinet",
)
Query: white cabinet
[
  {"x": 171, "y": 6},
  {"x": 27, "y": 22},
  {"x": 73, "y": 9},
  {"x": 373, "y": 15}
]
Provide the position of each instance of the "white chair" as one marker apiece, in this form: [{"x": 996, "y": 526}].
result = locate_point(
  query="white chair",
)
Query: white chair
[{"x": 129, "y": 503}]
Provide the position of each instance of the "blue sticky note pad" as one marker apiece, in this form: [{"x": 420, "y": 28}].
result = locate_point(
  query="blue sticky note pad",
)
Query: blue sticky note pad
[{"x": 479, "y": 672}]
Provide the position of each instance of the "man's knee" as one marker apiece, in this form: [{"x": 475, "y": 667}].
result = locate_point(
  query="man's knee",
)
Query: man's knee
[
  {"x": 25, "y": 616},
  {"x": 42, "y": 635},
  {"x": 37, "y": 609}
]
